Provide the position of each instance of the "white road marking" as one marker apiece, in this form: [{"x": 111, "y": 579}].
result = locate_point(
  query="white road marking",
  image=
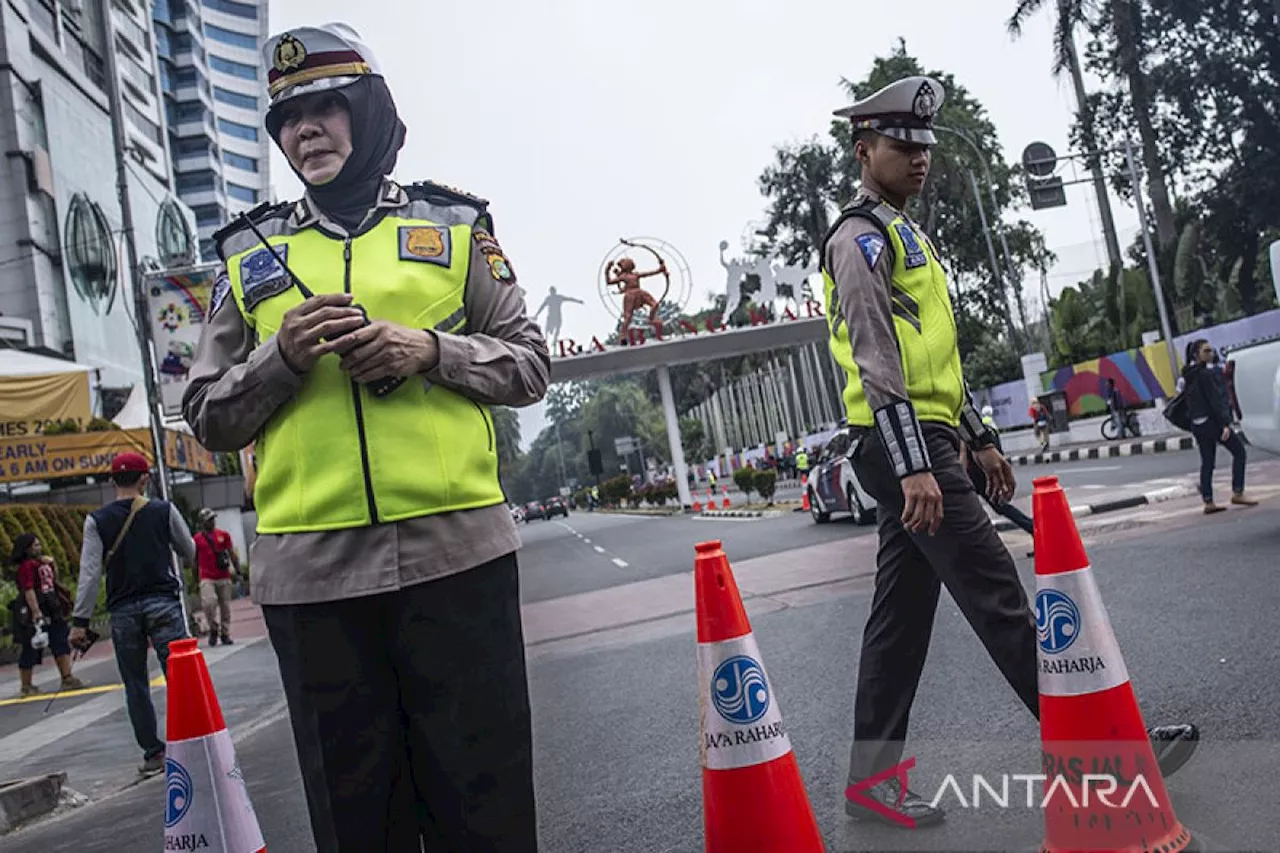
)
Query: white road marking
[
  {"x": 599, "y": 550},
  {"x": 588, "y": 541},
  {"x": 622, "y": 564}
]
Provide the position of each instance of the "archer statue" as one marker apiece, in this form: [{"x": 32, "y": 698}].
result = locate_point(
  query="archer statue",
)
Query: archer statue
[{"x": 622, "y": 274}]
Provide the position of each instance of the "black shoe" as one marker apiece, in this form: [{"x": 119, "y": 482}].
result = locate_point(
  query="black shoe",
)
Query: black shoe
[
  {"x": 153, "y": 765},
  {"x": 1173, "y": 746},
  {"x": 213, "y": 639},
  {"x": 226, "y": 641},
  {"x": 890, "y": 794}
]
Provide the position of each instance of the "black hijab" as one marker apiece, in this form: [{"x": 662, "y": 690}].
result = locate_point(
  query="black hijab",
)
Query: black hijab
[{"x": 377, "y": 134}]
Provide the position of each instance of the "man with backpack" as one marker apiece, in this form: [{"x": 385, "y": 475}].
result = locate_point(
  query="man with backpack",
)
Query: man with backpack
[
  {"x": 144, "y": 590},
  {"x": 217, "y": 564}
]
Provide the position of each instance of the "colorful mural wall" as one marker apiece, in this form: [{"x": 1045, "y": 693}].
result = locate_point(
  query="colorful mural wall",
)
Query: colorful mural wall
[{"x": 1141, "y": 375}]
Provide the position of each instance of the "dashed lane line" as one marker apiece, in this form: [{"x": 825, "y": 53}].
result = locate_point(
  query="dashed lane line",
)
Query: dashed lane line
[
  {"x": 620, "y": 563},
  {"x": 599, "y": 550}
]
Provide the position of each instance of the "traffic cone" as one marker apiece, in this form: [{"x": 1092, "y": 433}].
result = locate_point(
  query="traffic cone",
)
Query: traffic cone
[
  {"x": 753, "y": 798},
  {"x": 206, "y": 802},
  {"x": 1103, "y": 787},
  {"x": 804, "y": 491},
  {"x": 726, "y": 496}
]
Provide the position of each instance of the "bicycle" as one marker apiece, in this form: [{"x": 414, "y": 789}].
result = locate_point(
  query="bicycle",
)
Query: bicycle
[{"x": 1109, "y": 431}]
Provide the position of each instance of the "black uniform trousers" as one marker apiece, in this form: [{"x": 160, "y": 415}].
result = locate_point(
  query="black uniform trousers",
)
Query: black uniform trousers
[
  {"x": 411, "y": 717},
  {"x": 967, "y": 555}
]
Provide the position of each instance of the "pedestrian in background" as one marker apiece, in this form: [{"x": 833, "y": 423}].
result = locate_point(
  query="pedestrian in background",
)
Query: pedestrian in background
[
  {"x": 40, "y": 606},
  {"x": 385, "y": 561},
  {"x": 131, "y": 540},
  {"x": 217, "y": 566},
  {"x": 1209, "y": 408}
]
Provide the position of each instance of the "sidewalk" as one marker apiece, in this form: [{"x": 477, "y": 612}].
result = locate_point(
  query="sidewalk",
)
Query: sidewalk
[{"x": 1106, "y": 450}]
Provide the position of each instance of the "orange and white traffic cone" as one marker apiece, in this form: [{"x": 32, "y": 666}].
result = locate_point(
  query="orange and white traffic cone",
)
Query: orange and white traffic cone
[
  {"x": 726, "y": 496},
  {"x": 753, "y": 797},
  {"x": 804, "y": 492},
  {"x": 206, "y": 802},
  {"x": 1103, "y": 787}
]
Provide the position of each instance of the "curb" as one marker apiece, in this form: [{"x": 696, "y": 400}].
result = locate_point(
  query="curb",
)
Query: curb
[
  {"x": 1133, "y": 448},
  {"x": 738, "y": 513},
  {"x": 24, "y": 799},
  {"x": 1170, "y": 493}
]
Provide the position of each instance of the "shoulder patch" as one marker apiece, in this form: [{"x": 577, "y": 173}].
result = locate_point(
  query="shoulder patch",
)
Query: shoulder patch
[
  {"x": 499, "y": 266},
  {"x": 258, "y": 215},
  {"x": 261, "y": 276},
  {"x": 431, "y": 191},
  {"x": 221, "y": 288},
  {"x": 872, "y": 246}
]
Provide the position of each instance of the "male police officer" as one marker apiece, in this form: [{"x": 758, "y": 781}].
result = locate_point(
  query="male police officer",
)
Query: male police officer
[
  {"x": 385, "y": 561},
  {"x": 893, "y": 332}
]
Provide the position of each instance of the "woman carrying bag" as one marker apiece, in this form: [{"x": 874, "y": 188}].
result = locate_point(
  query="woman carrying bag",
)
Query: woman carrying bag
[
  {"x": 1206, "y": 412},
  {"x": 40, "y": 614}
]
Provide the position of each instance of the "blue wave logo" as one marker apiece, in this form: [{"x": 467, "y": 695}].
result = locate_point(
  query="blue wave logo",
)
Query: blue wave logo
[
  {"x": 739, "y": 691},
  {"x": 1057, "y": 621},
  {"x": 178, "y": 792}
]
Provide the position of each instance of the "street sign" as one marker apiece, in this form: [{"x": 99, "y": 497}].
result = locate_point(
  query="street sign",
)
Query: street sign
[
  {"x": 1040, "y": 160},
  {"x": 1043, "y": 186},
  {"x": 626, "y": 444}
]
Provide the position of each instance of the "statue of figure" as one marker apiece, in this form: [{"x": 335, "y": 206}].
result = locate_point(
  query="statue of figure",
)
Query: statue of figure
[
  {"x": 552, "y": 303},
  {"x": 733, "y": 287},
  {"x": 622, "y": 274}
]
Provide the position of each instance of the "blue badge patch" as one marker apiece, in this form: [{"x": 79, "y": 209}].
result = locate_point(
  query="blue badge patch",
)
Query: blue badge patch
[
  {"x": 221, "y": 288},
  {"x": 262, "y": 277},
  {"x": 872, "y": 246},
  {"x": 432, "y": 244},
  {"x": 915, "y": 252}
]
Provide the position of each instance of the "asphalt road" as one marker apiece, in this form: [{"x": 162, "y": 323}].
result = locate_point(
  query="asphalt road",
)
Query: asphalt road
[{"x": 1192, "y": 602}]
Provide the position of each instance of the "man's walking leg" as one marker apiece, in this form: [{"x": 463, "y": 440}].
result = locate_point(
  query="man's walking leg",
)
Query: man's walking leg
[
  {"x": 895, "y": 644},
  {"x": 129, "y": 641},
  {"x": 224, "y": 608},
  {"x": 344, "y": 709},
  {"x": 162, "y": 618},
  {"x": 470, "y": 732},
  {"x": 209, "y": 604}
]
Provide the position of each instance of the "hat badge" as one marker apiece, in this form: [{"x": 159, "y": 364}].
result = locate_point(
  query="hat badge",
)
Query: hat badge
[
  {"x": 290, "y": 53},
  {"x": 926, "y": 102}
]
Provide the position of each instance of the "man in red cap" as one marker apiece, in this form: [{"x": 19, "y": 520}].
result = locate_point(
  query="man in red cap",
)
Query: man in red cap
[{"x": 131, "y": 539}]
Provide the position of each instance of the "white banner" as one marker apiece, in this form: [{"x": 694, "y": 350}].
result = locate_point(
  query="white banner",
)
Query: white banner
[
  {"x": 1076, "y": 649},
  {"x": 206, "y": 803},
  {"x": 741, "y": 723},
  {"x": 177, "y": 302}
]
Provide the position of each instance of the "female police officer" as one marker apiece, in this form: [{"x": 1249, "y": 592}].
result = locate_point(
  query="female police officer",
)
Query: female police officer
[{"x": 385, "y": 562}]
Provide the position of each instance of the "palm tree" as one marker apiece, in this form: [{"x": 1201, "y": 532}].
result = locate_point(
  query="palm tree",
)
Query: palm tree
[{"x": 1070, "y": 13}]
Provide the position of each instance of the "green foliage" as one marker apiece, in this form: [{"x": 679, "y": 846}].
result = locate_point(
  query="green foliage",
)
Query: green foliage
[
  {"x": 745, "y": 479},
  {"x": 765, "y": 483},
  {"x": 616, "y": 490},
  {"x": 101, "y": 425},
  {"x": 66, "y": 427}
]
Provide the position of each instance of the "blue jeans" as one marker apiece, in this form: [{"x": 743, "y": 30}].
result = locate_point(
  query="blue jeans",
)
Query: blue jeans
[
  {"x": 160, "y": 620},
  {"x": 1208, "y": 437}
]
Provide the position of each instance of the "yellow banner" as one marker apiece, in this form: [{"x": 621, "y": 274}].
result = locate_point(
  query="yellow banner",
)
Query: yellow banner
[
  {"x": 30, "y": 403},
  {"x": 85, "y": 453}
]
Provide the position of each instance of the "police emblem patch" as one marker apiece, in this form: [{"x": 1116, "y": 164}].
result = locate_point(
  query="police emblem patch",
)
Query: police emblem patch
[
  {"x": 499, "y": 266},
  {"x": 432, "y": 244},
  {"x": 221, "y": 288},
  {"x": 262, "y": 276},
  {"x": 289, "y": 54},
  {"x": 915, "y": 252},
  {"x": 872, "y": 246},
  {"x": 501, "y": 269}
]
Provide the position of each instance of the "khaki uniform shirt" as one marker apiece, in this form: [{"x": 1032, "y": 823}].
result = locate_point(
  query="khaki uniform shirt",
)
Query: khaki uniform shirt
[{"x": 236, "y": 385}]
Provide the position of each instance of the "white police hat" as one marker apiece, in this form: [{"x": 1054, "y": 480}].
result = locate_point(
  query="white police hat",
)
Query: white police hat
[
  {"x": 903, "y": 110},
  {"x": 312, "y": 59}
]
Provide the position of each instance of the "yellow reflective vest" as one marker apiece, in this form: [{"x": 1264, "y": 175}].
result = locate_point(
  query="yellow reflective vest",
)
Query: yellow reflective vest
[
  {"x": 922, "y": 319},
  {"x": 336, "y": 456}
]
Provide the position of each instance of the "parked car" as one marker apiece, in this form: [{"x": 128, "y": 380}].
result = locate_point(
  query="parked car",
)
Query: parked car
[
  {"x": 517, "y": 512},
  {"x": 532, "y": 510},
  {"x": 834, "y": 487},
  {"x": 1252, "y": 372},
  {"x": 555, "y": 506}
]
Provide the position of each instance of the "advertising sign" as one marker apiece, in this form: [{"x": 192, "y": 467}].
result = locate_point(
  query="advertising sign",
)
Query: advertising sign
[
  {"x": 177, "y": 303},
  {"x": 84, "y": 453},
  {"x": 30, "y": 403}
]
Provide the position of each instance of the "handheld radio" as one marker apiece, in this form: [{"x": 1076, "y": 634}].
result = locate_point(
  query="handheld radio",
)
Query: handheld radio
[{"x": 379, "y": 387}]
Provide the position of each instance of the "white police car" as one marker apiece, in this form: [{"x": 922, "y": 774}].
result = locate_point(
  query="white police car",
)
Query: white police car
[{"x": 834, "y": 487}]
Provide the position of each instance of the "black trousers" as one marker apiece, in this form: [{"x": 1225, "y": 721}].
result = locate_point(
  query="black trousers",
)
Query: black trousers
[
  {"x": 968, "y": 556},
  {"x": 410, "y": 714}
]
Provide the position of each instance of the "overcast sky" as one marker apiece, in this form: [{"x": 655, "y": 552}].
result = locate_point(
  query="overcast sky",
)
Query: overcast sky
[{"x": 583, "y": 121}]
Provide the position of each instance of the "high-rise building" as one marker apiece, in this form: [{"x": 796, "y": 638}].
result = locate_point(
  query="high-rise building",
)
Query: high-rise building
[
  {"x": 63, "y": 285},
  {"x": 213, "y": 82}
]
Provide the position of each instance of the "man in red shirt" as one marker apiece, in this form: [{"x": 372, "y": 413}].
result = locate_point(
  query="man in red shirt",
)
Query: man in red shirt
[{"x": 217, "y": 561}]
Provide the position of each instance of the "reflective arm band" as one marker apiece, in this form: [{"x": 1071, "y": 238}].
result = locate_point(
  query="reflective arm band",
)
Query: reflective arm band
[
  {"x": 903, "y": 439},
  {"x": 975, "y": 433}
]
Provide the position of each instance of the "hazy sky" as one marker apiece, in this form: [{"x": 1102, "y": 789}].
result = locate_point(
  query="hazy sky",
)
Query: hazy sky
[{"x": 583, "y": 121}]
